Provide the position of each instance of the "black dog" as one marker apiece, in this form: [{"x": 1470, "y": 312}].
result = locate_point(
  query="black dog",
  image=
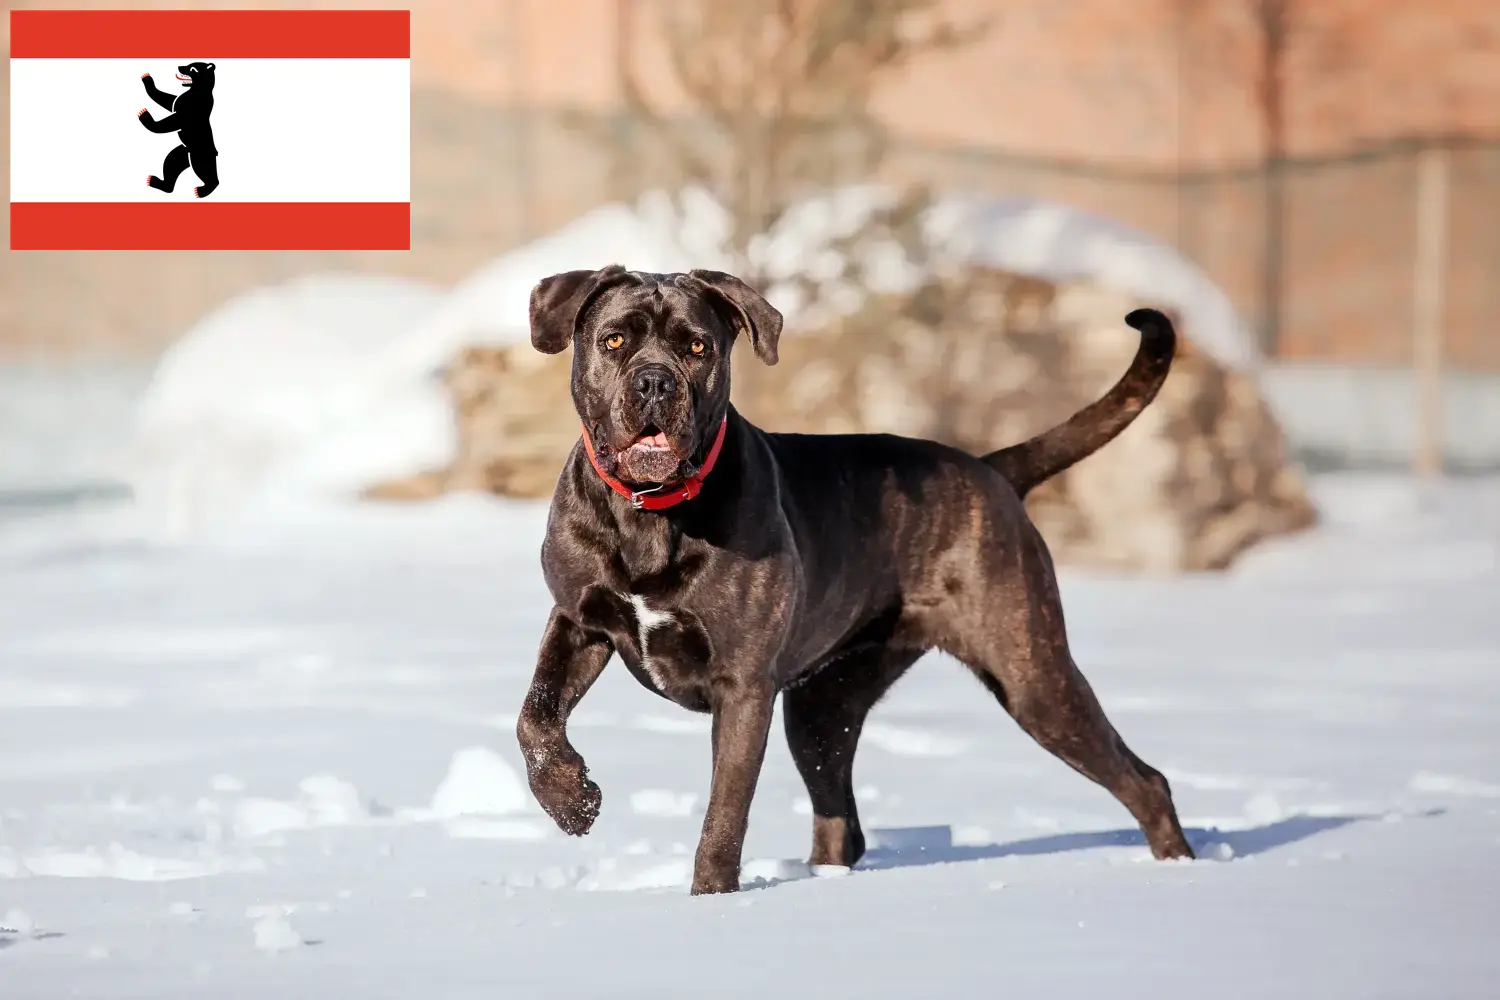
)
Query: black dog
[
  {"x": 189, "y": 119},
  {"x": 726, "y": 565}
]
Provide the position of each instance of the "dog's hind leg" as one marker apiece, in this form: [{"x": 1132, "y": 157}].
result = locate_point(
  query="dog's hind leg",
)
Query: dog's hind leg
[
  {"x": 1019, "y": 650},
  {"x": 824, "y": 715}
]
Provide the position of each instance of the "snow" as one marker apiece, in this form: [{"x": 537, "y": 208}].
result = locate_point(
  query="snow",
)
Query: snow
[
  {"x": 1440, "y": 784},
  {"x": 273, "y": 933},
  {"x": 1063, "y": 242},
  {"x": 479, "y": 781},
  {"x": 17, "y": 922},
  {"x": 280, "y": 392},
  {"x": 660, "y": 802},
  {"x": 324, "y": 800},
  {"x": 280, "y": 760},
  {"x": 307, "y": 391},
  {"x": 1030, "y": 235}
]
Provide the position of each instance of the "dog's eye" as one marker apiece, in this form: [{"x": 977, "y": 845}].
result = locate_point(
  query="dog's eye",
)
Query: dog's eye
[
  {"x": 614, "y": 341},
  {"x": 697, "y": 346}
]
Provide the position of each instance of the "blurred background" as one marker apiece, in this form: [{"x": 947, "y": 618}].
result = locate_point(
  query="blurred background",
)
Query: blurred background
[{"x": 1312, "y": 187}]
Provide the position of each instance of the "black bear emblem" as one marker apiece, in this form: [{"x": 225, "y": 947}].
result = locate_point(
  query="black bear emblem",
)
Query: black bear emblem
[{"x": 189, "y": 119}]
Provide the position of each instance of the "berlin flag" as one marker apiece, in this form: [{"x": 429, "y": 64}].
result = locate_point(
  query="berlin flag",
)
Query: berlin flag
[{"x": 210, "y": 130}]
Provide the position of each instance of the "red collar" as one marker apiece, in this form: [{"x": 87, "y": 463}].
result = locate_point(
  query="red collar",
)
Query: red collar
[{"x": 668, "y": 494}]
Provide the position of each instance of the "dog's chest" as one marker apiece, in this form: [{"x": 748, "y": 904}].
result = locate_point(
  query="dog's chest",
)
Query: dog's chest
[{"x": 666, "y": 648}]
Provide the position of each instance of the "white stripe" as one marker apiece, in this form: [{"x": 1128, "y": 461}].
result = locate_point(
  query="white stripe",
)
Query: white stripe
[
  {"x": 320, "y": 130},
  {"x": 646, "y": 620}
]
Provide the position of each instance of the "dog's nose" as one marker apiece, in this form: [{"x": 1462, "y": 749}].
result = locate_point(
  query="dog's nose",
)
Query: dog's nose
[{"x": 654, "y": 382}]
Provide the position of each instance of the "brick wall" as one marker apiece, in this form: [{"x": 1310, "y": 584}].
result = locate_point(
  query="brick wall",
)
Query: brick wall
[{"x": 1103, "y": 103}]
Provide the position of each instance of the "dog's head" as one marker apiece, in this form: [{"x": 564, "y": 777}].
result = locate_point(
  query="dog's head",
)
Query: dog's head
[{"x": 650, "y": 360}]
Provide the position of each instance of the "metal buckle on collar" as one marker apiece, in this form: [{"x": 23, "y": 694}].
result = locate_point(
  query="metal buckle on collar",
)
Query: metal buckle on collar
[{"x": 636, "y": 498}]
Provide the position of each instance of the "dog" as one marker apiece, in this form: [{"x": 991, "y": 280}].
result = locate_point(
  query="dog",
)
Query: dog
[{"x": 727, "y": 565}]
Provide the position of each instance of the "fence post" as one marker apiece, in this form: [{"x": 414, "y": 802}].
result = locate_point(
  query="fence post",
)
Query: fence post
[{"x": 1428, "y": 292}]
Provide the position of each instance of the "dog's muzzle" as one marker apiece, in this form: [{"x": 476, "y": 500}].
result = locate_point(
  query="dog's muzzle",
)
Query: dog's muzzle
[{"x": 654, "y": 386}]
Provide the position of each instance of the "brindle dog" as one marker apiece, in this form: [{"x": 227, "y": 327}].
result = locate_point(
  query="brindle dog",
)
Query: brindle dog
[{"x": 818, "y": 567}]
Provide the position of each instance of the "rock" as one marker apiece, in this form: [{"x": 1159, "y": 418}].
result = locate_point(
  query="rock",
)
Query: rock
[{"x": 979, "y": 361}]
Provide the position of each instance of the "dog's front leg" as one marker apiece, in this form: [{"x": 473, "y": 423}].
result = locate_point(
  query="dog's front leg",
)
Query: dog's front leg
[
  {"x": 568, "y": 663},
  {"x": 742, "y": 718}
]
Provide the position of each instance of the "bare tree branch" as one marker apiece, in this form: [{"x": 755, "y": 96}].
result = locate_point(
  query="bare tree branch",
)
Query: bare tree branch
[{"x": 783, "y": 89}]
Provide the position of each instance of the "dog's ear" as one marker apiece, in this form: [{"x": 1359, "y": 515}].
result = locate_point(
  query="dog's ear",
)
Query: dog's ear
[
  {"x": 756, "y": 317},
  {"x": 557, "y": 303}
]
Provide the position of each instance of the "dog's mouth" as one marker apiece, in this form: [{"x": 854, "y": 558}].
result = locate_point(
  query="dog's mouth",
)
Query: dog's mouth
[
  {"x": 651, "y": 438},
  {"x": 650, "y": 457}
]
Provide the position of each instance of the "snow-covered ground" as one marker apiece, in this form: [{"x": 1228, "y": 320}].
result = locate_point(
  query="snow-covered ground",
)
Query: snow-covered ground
[{"x": 280, "y": 762}]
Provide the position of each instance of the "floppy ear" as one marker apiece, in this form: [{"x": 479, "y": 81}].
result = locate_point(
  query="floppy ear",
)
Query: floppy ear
[
  {"x": 757, "y": 317},
  {"x": 558, "y": 301}
]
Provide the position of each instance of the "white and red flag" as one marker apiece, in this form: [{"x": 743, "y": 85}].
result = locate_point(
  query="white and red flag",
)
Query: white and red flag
[{"x": 210, "y": 130}]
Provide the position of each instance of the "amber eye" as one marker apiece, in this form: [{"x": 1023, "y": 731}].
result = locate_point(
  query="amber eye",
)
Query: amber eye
[
  {"x": 697, "y": 347},
  {"x": 614, "y": 340}
]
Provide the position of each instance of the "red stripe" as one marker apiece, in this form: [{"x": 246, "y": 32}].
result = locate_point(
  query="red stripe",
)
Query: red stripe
[
  {"x": 210, "y": 34},
  {"x": 231, "y": 225}
]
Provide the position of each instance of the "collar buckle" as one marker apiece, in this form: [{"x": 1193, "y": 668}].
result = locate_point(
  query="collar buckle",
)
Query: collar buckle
[{"x": 638, "y": 497}]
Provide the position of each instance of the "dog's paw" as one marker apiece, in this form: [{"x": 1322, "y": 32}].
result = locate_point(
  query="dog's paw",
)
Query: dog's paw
[
  {"x": 569, "y": 796},
  {"x": 710, "y": 885},
  {"x": 716, "y": 869},
  {"x": 576, "y": 816}
]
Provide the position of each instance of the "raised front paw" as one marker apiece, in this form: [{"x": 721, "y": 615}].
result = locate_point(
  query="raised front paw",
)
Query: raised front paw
[
  {"x": 143, "y": 116},
  {"x": 146, "y": 77},
  {"x": 563, "y": 788}
]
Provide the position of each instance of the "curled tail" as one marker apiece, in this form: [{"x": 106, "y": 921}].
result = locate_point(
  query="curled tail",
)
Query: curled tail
[{"x": 1031, "y": 462}]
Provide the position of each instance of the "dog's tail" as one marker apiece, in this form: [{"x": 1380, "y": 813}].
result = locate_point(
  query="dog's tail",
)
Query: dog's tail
[{"x": 1033, "y": 461}]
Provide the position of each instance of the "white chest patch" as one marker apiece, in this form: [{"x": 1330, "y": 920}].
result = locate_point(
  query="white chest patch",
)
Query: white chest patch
[{"x": 645, "y": 621}]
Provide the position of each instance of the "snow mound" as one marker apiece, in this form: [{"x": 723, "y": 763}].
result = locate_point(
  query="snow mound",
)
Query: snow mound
[
  {"x": 17, "y": 922},
  {"x": 324, "y": 801},
  {"x": 273, "y": 933},
  {"x": 492, "y": 306},
  {"x": 281, "y": 382},
  {"x": 1063, "y": 243},
  {"x": 305, "y": 392},
  {"x": 1047, "y": 239},
  {"x": 479, "y": 782}
]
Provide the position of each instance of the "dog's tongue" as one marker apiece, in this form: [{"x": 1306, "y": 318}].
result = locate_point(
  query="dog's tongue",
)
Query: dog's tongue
[{"x": 657, "y": 440}]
